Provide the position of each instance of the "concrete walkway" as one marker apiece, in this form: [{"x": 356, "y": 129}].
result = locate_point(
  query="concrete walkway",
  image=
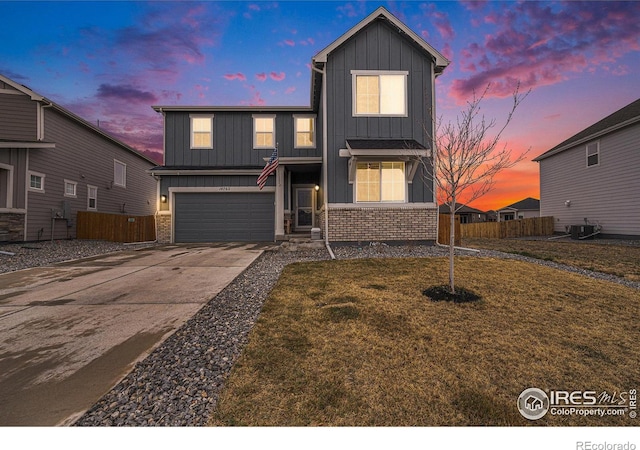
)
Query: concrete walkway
[{"x": 71, "y": 331}]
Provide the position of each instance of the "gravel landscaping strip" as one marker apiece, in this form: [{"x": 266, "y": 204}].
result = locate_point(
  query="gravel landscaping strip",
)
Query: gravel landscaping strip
[
  {"x": 179, "y": 382},
  {"x": 43, "y": 253}
]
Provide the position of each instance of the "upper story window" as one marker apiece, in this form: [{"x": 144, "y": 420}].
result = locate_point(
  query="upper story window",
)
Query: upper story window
[
  {"x": 36, "y": 181},
  {"x": 380, "y": 182},
  {"x": 264, "y": 134},
  {"x": 119, "y": 173},
  {"x": 379, "y": 93},
  {"x": 201, "y": 131},
  {"x": 593, "y": 154},
  {"x": 305, "y": 131}
]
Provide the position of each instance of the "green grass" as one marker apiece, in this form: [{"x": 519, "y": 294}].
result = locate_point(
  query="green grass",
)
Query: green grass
[{"x": 356, "y": 343}]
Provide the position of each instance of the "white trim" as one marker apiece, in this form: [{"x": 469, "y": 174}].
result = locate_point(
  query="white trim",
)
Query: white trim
[
  {"x": 222, "y": 189},
  {"x": 13, "y": 211},
  {"x": 597, "y": 153},
  {"x": 264, "y": 116},
  {"x": 200, "y": 116},
  {"x": 214, "y": 190},
  {"x": 314, "y": 117},
  {"x": 372, "y": 205},
  {"x": 160, "y": 173},
  {"x": 36, "y": 174},
  {"x": 11, "y": 92},
  {"x": 75, "y": 189},
  {"x": 21, "y": 88},
  {"x": 378, "y": 73},
  {"x": 299, "y": 160},
  {"x": 10, "y": 169},
  {"x": 353, "y": 166},
  {"x": 382, "y": 153},
  {"x": 89, "y": 187},
  {"x": 27, "y": 145},
  {"x": 124, "y": 167}
]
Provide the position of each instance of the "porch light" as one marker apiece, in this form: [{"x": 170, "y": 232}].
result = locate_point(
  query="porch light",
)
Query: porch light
[
  {"x": 163, "y": 199},
  {"x": 317, "y": 188}
]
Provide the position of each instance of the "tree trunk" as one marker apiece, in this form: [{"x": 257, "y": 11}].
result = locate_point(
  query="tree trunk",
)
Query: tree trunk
[{"x": 452, "y": 240}]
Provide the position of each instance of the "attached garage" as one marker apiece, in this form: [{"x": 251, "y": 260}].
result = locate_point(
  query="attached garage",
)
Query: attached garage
[{"x": 224, "y": 217}]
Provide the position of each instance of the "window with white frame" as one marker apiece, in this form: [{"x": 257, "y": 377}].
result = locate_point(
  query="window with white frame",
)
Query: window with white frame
[
  {"x": 593, "y": 154},
  {"x": 379, "y": 93},
  {"x": 264, "y": 134},
  {"x": 380, "y": 182},
  {"x": 92, "y": 198},
  {"x": 119, "y": 173},
  {"x": 70, "y": 188},
  {"x": 305, "y": 131},
  {"x": 36, "y": 181},
  {"x": 201, "y": 131}
]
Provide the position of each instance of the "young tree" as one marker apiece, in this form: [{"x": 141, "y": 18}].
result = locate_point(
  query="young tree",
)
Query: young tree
[{"x": 466, "y": 159}]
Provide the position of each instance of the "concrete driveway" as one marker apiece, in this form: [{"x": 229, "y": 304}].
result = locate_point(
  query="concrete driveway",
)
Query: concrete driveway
[{"x": 70, "y": 332}]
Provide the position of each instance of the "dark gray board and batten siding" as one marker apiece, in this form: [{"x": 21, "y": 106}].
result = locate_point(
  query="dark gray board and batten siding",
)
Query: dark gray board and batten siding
[
  {"x": 376, "y": 47},
  {"x": 232, "y": 139}
]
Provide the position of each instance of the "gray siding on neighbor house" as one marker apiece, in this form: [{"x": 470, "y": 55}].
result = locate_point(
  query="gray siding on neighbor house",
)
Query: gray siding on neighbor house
[
  {"x": 87, "y": 158},
  {"x": 232, "y": 139},
  {"x": 376, "y": 47},
  {"x": 17, "y": 116},
  {"x": 607, "y": 193},
  {"x": 16, "y": 158}
]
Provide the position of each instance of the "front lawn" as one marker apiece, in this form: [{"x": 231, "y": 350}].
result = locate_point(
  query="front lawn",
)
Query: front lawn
[
  {"x": 355, "y": 343},
  {"x": 620, "y": 260}
]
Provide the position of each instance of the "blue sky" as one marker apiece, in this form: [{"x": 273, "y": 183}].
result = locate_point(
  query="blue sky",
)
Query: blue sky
[{"x": 110, "y": 61}]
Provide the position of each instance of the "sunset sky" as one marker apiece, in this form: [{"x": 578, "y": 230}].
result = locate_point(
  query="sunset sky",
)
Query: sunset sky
[{"x": 110, "y": 61}]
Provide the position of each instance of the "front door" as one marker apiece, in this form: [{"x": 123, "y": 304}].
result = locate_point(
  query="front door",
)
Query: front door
[{"x": 304, "y": 208}]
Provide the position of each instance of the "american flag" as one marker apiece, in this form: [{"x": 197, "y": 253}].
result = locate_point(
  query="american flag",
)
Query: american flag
[{"x": 271, "y": 167}]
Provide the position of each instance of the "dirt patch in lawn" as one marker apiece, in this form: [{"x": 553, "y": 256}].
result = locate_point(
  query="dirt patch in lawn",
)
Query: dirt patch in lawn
[{"x": 356, "y": 343}]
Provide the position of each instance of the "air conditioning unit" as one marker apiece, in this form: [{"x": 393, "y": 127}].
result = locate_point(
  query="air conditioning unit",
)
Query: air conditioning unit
[{"x": 580, "y": 231}]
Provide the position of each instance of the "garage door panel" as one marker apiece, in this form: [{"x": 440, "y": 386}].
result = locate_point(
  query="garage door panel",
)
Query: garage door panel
[{"x": 213, "y": 217}]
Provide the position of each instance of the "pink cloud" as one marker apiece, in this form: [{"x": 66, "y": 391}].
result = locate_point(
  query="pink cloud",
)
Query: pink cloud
[
  {"x": 254, "y": 7},
  {"x": 261, "y": 76},
  {"x": 537, "y": 45},
  {"x": 277, "y": 76},
  {"x": 256, "y": 99},
  {"x": 235, "y": 76},
  {"x": 290, "y": 90},
  {"x": 289, "y": 42}
]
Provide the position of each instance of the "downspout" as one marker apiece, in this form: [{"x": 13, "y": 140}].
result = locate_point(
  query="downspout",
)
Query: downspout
[{"x": 325, "y": 181}]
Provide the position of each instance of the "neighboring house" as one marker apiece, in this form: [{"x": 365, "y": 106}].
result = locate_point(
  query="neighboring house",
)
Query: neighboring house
[
  {"x": 594, "y": 176},
  {"x": 524, "y": 209},
  {"x": 467, "y": 213},
  {"x": 53, "y": 164},
  {"x": 349, "y": 164}
]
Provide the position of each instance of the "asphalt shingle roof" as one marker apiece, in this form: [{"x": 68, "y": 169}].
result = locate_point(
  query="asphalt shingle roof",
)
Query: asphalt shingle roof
[{"x": 629, "y": 112}]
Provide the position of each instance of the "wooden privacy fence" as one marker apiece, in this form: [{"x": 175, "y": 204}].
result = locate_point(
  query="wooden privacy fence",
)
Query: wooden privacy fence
[
  {"x": 115, "y": 227},
  {"x": 444, "y": 227},
  {"x": 535, "y": 226}
]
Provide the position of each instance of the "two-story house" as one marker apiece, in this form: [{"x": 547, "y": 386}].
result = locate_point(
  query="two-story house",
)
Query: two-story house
[
  {"x": 594, "y": 176},
  {"x": 54, "y": 164},
  {"x": 355, "y": 163}
]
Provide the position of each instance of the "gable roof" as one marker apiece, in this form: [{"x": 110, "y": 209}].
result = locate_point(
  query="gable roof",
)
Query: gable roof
[
  {"x": 39, "y": 98},
  {"x": 529, "y": 203},
  {"x": 381, "y": 13},
  {"x": 626, "y": 116},
  {"x": 460, "y": 208}
]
